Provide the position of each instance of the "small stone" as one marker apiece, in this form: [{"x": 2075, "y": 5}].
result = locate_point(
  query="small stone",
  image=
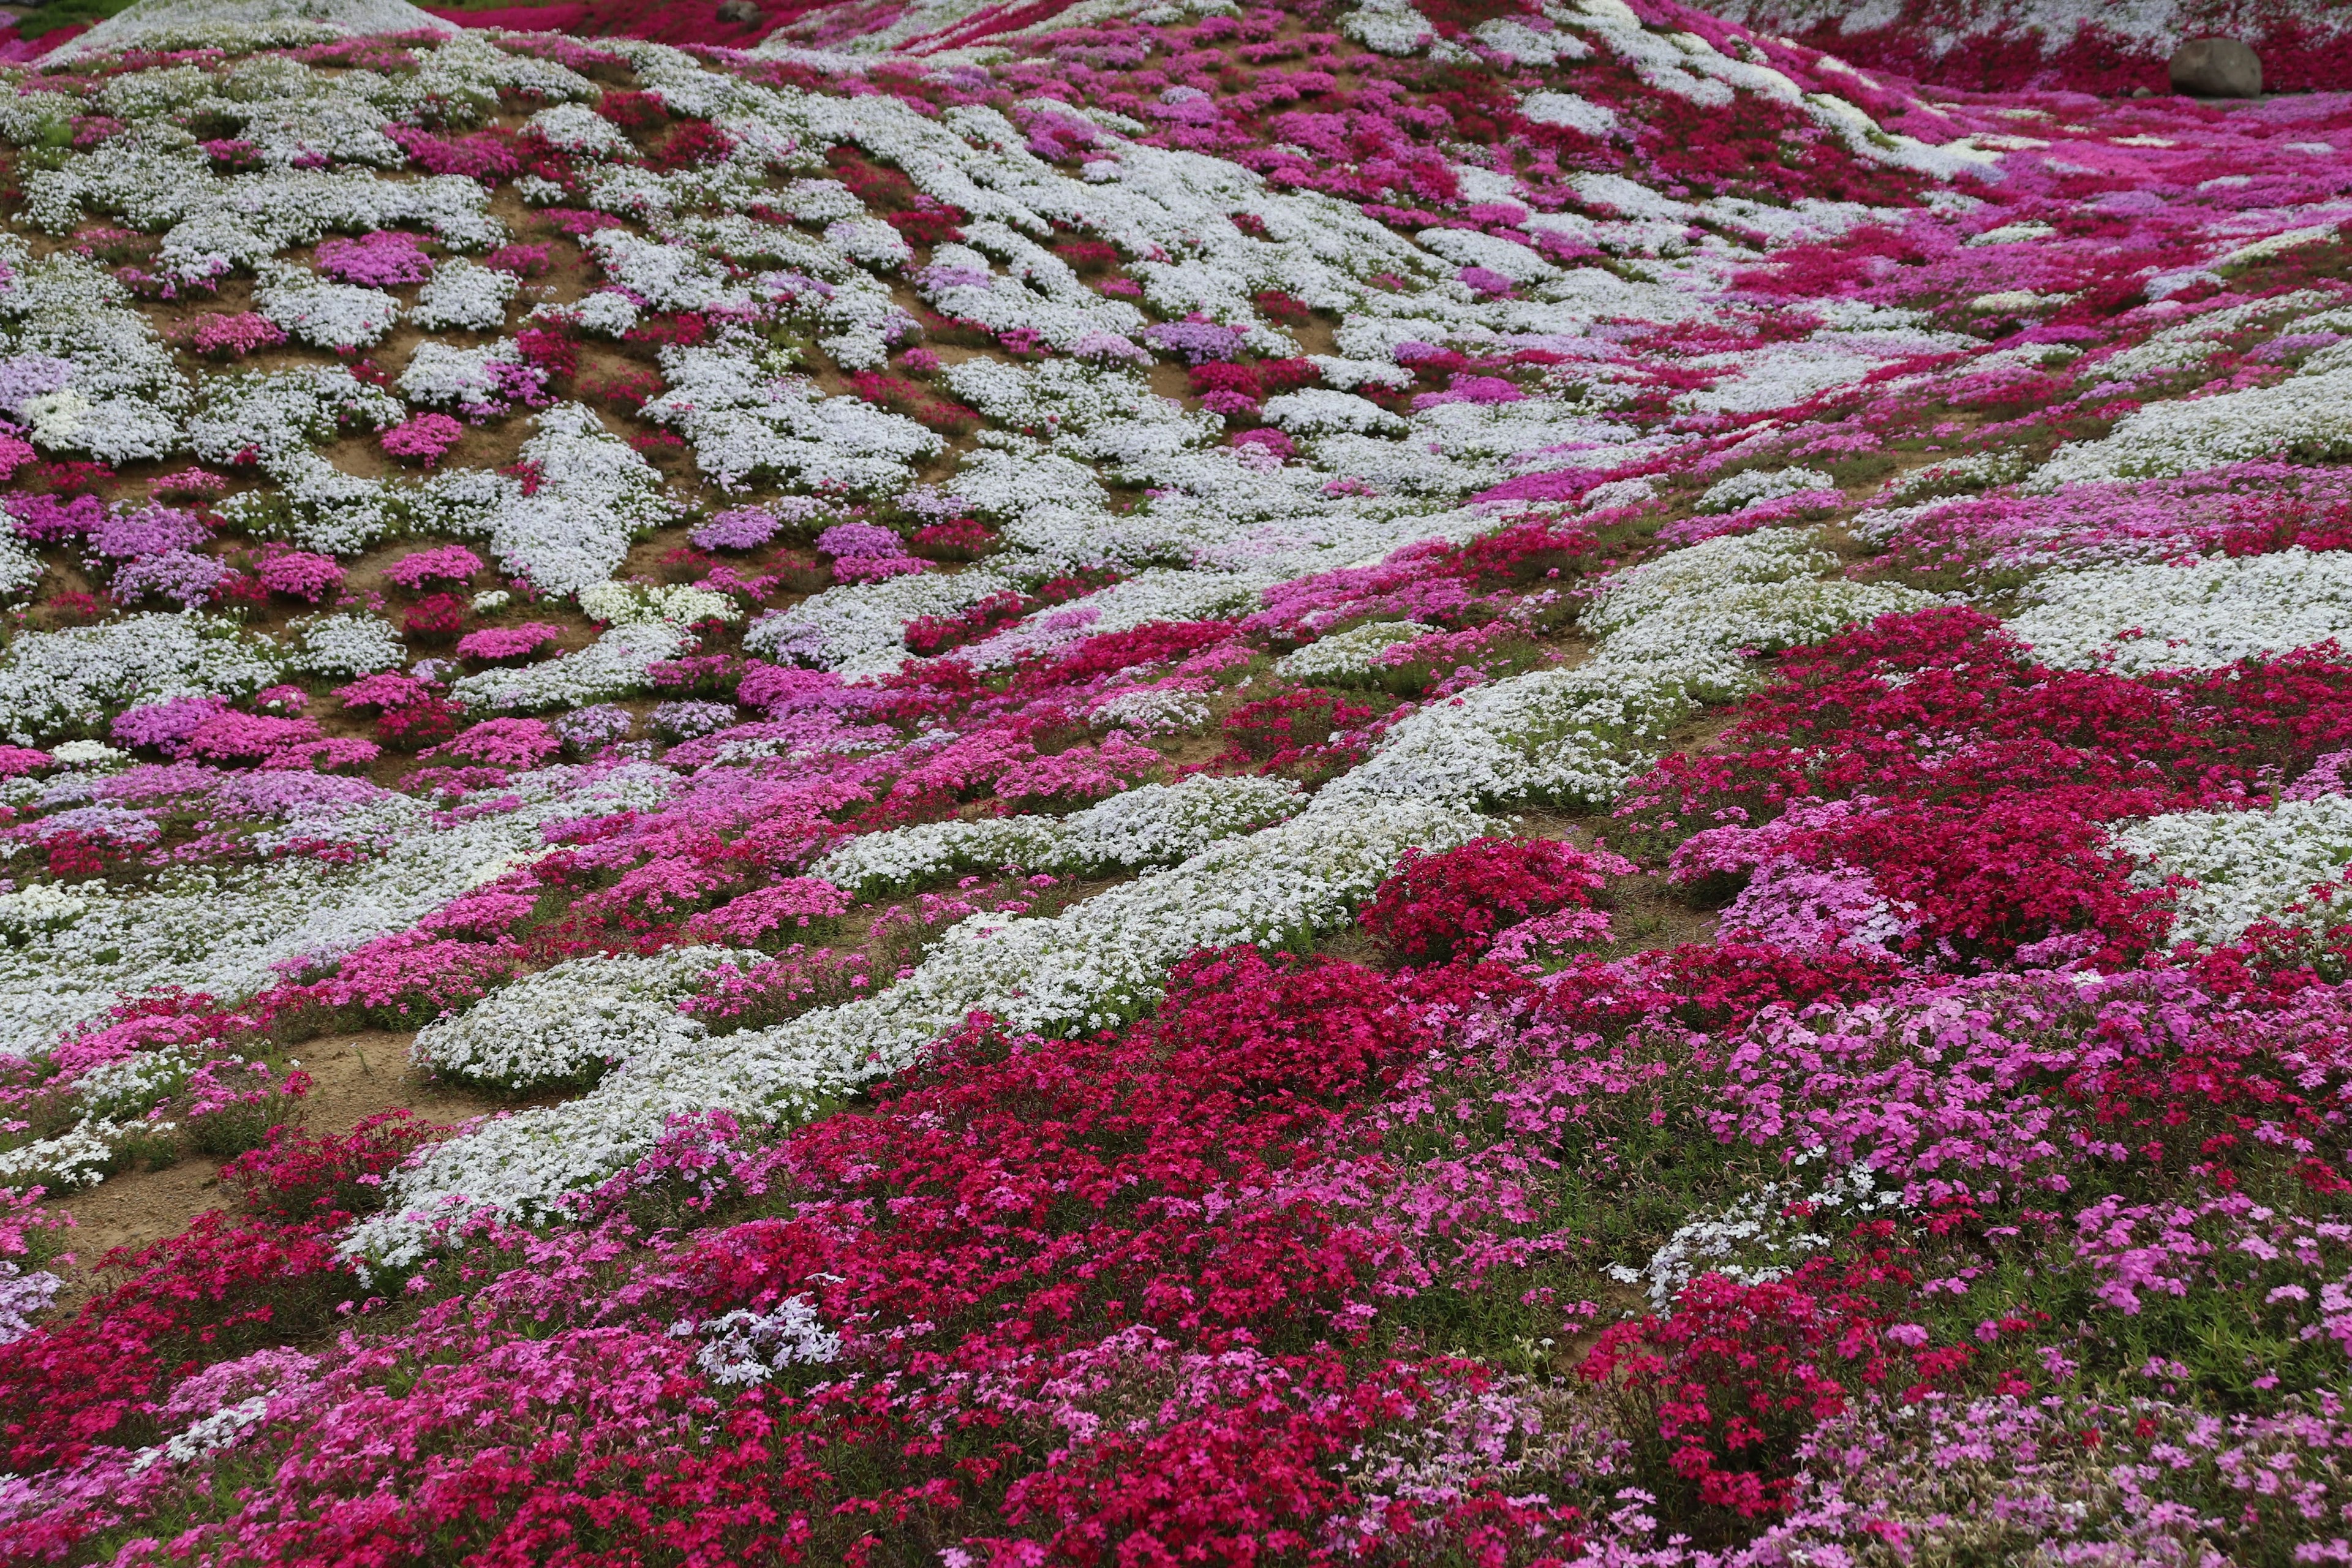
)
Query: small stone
[
  {"x": 2143, "y": 92},
  {"x": 739, "y": 10},
  {"x": 2217, "y": 67}
]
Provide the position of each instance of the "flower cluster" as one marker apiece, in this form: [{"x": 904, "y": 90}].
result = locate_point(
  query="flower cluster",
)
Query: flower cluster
[{"x": 1364, "y": 784}]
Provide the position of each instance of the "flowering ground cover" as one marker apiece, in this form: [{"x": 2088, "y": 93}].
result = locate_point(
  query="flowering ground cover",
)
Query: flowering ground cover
[{"x": 1530, "y": 783}]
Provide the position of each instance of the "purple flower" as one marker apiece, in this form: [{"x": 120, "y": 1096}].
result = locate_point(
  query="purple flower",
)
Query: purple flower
[
  {"x": 854, "y": 539},
  {"x": 29, "y": 375},
  {"x": 739, "y": 528},
  {"x": 1198, "y": 341},
  {"x": 181, "y": 576},
  {"x": 164, "y": 723},
  {"x": 150, "y": 530}
]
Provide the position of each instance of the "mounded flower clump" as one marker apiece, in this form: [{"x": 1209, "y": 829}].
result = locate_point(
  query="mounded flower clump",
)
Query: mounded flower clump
[{"x": 1538, "y": 783}]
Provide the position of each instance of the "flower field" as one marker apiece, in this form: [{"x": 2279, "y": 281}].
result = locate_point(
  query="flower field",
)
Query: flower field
[{"x": 1142, "y": 783}]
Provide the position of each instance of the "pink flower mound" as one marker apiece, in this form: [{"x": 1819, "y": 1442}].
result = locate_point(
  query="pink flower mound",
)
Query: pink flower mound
[
  {"x": 385, "y": 259},
  {"x": 14, "y": 455},
  {"x": 298, "y": 575},
  {"x": 781, "y": 686},
  {"x": 45, "y": 520},
  {"x": 423, "y": 437},
  {"x": 793, "y": 902},
  {"x": 1078, "y": 775},
  {"x": 875, "y": 568},
  {"x": 499, "y": 643},
  {"x": 1480, "y": 389},
  {"x": 15, "y": 762},
  {"x": 388, "y": 691},
  {"x": 1439, "y": 907},
  {"x": 234, "y": 336},
  {"x": 502, "y": 744},
  {"x": 449, "y": 564}
]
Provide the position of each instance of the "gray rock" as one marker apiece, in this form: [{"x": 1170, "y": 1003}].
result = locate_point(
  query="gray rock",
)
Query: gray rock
[
  {"x": 2217, "y": 67},
  {"x": 739, "y": 10}
]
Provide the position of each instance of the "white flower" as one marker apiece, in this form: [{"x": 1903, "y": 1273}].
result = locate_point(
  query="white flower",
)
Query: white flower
[
  {"x": 73, "y": 680},
  {"x": 2201, "y": 616},
  {"x": 325, "y": 315},
  {"x": 462, "y": 294},
  {"x": 2242, "y": 866},
  {"x": 571, "y": 1021}
]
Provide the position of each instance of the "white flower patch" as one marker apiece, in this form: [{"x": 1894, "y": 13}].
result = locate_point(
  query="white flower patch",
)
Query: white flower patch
[
  {"x": 1561, "y": 736},
  {"x": 1038, "y": 291},
  {"x": 43, "y": 907},
  {"x": 2243, "y": 866},
  {"x": 573, "y": 1020},
  {"x": 346, "y": 646},
  {"x": 325, "y": 315},
  {"x": 79, "y": 1157},
  {"x": 1389, "y": 27},
  {"x": 2308, "y": 416},
  {"x": 1469, "y": 247},
  {"x": 1765, "y": 1233},
  {"x": 1318, "y": 411},
  {"x": 746, "y": 422},
  {"x": 1581, "y": 114},
  {"x": 615, "y": 664},
  {"x": 860, "y": 630},
  {"x": 608, "y": 313},
  {"x": 246, "y": 23},
  {"x": 745, "y": 1347},
  {"x": 1159, "y": 595},
  {"x": 1699, "y": 609},
  {"x": 461, "y": 293},
  {"x": 2209, "y": 613},
  {"x": 121, "y": 393},
  {"x": 19, "y": 567},
  {"x": 675, "y": 603},
  {"x": 280, "y": 413},
  {"x": 446, "y": 375},
  {"x": 1151, "y": 711},
  {"x": 1349, "y": 653},
  {"x": 1093, "y": 966},
  {"x": 666, "y": 276},
  {"x": 1742, "y": 490},
  {"x": 72, "y": 681},
  {"x": 1152, "y": 825},
  {"x": 226, "y": 932},
  {"x": 1956, "y": 476},
  {"x": 575, "y": 128},
  {"x": 869, "y": 240},
  {"x": 595, "y": 497}
]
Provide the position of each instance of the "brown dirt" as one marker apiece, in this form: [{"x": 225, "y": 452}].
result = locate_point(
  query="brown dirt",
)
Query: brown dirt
[{"x": 355, "y": 1075}]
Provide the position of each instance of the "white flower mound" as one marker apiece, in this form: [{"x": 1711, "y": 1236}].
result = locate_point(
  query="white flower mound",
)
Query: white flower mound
[
  {"x": 1743, "y": 490},
  {"x": 616, "y": 665},
  {"x": 1567, "y": 108},
  {"x": 159, "y": 23},
  {"x": 226, "y": 932},
  {"x": 2309, "y": 415},
  {"x": 2134, "y": 619},
  {"x": 2246, "y": 866},
  {"x": 563, "y": 1023},
  {"x": 1154, "y": 824},
  {"x": 1093, "y": 966},
  {"x": 1347, "y": 653},
  {"x": 596, "y": 496},
  {"x": 66, "y": 681},
  {"x": 1699, "y": 609}
]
